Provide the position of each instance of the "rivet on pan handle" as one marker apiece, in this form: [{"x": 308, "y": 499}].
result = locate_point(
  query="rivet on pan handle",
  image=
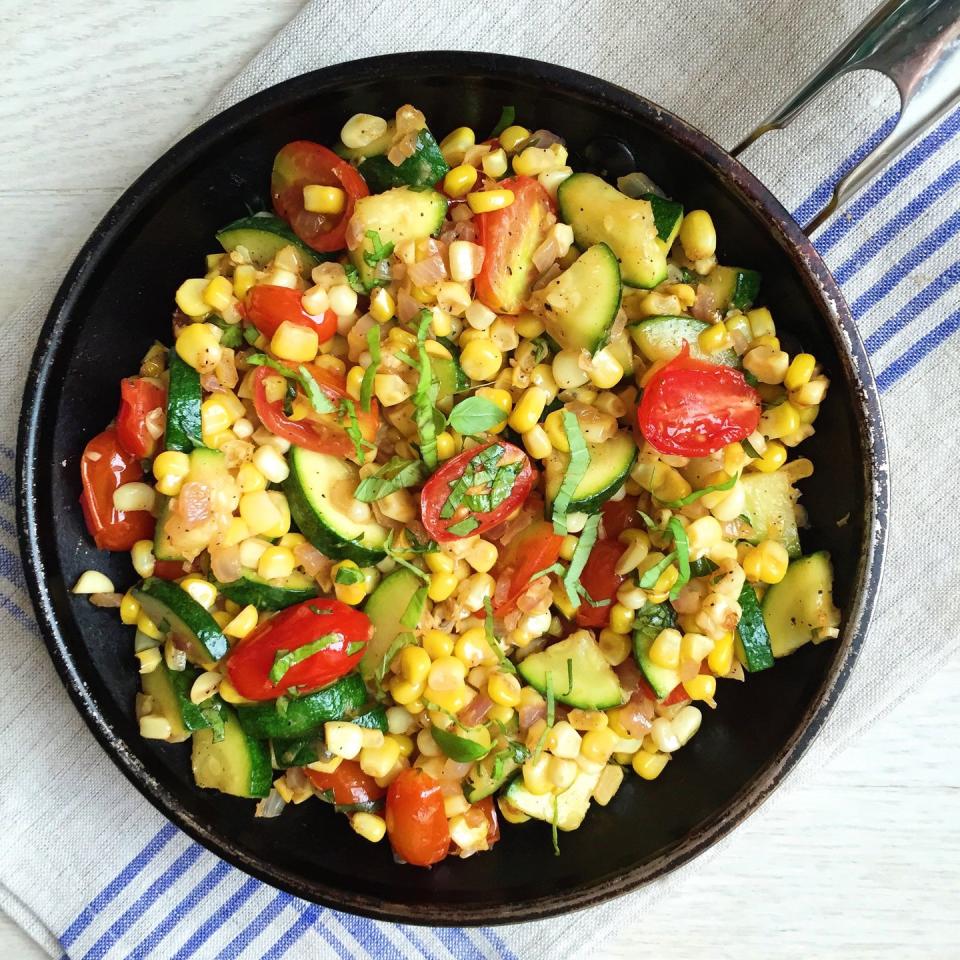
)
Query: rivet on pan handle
[{"x": 916, "y": 43}]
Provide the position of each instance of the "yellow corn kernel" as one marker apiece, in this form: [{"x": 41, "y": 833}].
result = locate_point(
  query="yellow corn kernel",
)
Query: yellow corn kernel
[
  {"x": 369, "y": 826},
  {"x": 494, "y": 163},
  {"x": 449, "y": 700},
  {"x": 561, "y": 601},
  {"x": 147, "y": 626},
  {"x": 779, "y": 421},
  {"x": 761, "y": 323},
  {"x": 244, "y": 277},
  {"x": 129, "y": 609},
  {"x": 414, "y": 664},
  {"x": 276, "y": 563},
  {"x": 774, "y": 457},
  {"x": 701, "y": 687},
  {"x": 665, "y": 650},
  {"x": 720, "y": 659},
  {"x": 504, "y": 689},
  {"x": 215, "y": 416},
  {"x": 485, "y": 201},
  {"x": 442, "y": 586},
  {"x": 379, "y": 761},
  {"x": 714, "y": 338},
  {"x": 294, "y": 342},
  {"x": 229, "y": 692},
  {"x": 568, "y": 546},
  {"x": 535, "y": 777},
  {"x": 242, "y": 623},
  {"x": 446, "y": 674},
  {"x": 649, "y": 765},
  {"x": 460, "y": 180},
  {"x": 614, "y": 646},
  {"x": 621, "y": 618},
  {"x": 440, "y": 562},
  {"x": 437, "y": 644},
  {"x": 382, "y": 305},
  {"x": 198, "y": 346},
  {"x": 528, "y": 409},
  {"x": 142, "y": 558},
  {"x": 204, "y": 592},
  {"x": 258, "y": 511},
  {"x": 694, "y": 647},
  {"x": 349, "y": 593},
  {"x": 446, "y": 445},
  {"x": 218, "y": 293},
  {"x": 170, "y": 469},
  {"x": 250, "y": 479},
  {"x": 698, "y": 236},
  {"x": 556, "y": 431},
  {"x": 322, "y": 199},
  {"x": 532, "y": 161},
  {"x": 354, "y": 382},
  {"x": 482, "y": 556},
  {"x": 472, "y": 648},
  {"x": 189, "y": 297},
  {"x": 536, "y": 442},
  {"x": 767, "y": 562},
  {"x": 222, "y": 617},
  {"x": 481, "y": 359},
  {"x": 512, "y": 137},
  {"x": 456, "y": 143},
  {"x": 800, "y": 371},
  {"x": 605, "y": 370},
  {"x": 529, "y": 326},
  {"x": 598, "y": 744},
  {"x": 406, "y": 693}
]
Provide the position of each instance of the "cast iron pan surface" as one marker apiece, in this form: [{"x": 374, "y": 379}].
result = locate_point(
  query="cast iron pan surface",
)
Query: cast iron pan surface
[{"x": 117, "y": 298}]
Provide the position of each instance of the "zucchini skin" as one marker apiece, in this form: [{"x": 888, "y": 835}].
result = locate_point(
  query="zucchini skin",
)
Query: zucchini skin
[
  {"x": 422, "y": 169},
  {"x": 183, "y": 407},
  {"x": 263, "y": 594},
  {"x": 162, "y": 599}
]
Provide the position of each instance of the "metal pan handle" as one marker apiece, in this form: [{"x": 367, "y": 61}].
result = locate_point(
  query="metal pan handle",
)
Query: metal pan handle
[{"x": 916, "y": 43}]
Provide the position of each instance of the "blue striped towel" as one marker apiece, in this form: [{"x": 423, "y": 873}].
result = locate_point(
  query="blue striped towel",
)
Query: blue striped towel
[{"x": 114, "y": 880}]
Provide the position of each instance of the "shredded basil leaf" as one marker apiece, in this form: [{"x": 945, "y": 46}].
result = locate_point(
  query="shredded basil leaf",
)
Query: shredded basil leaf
[
  {"x": 551, "y": 715},
  {"x": 355, "y": 646},
  {"x": 653, "y": 574},
  {"x": 476, "y": 415},
  {"x": 554, "y": 823},
  {"x": 508, "y": 115},
  {"x": 281, "y": 706},
  {"x": 366, "y": 385},
  {"x": 557, "y": 568},
  {"x": 701, "y": 567},
  {"x": 353, "y": 278},
  {"x": 697, "y": 494},
  {"x": 319, "y": 611},
  {"x": 425, "y": 396},
  {"x": 569, "y": 676},
  {"x": 581, "y": 553},
  {"x": 411, "y": 615},
  {"x": 285, "y": 659},
  {"x": 582, "y": 590},
  {"x": 682, "y": 545},
  {"x": 396, "y": 474},
  {"x": 395, "y": 555},
  {"x": 464, "y": 527},
  {"x": 750, "y": 449},
  {"x": 348, "y": 409},
  {"x": 318, "y": 399},
  {"x": 348, "y": 576},
  {"x": 400, "y": 641},
  {"x": 379, "y": 252},
  {"x": 251, "y": 335},
  {"x": 576, "y": 468},
  {"x": 505, "y": 663}
]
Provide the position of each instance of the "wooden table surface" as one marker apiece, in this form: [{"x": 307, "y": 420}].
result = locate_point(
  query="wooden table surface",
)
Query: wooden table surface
[{"x": 862, "y": 862}]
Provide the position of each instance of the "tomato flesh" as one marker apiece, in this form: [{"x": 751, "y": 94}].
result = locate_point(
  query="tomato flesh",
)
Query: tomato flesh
[
  {"x": 250, "y": 661},
  {"x": 105, "y": 466},
  {"x": 348, "y": 783},
  {"x": 416, "y": 824},
  {"x": 509, "y": 238},
  {"x": 323, "y": 433},
  {"x": 620, "y": 515},
  {"x": 438, "y": 488},
  {"x": 268, "y": 306},
  {"x": 533, "y": 549},
  {"x": 302, "y": 163},
  {"x": 691, "y": 408},
  {"x": 601, "y": 582},
  {"x": 138, "y": 397}
]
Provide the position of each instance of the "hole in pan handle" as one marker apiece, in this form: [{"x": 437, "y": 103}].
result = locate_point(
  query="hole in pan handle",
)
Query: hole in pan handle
[{"x": 916, "y": 43}]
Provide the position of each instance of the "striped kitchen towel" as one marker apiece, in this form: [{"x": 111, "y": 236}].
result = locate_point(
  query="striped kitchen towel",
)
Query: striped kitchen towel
[{"x": 92, "y": 871}]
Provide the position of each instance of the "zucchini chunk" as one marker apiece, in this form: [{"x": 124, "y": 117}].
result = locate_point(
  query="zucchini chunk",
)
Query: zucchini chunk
[
  {"x": 667, "y": 216},
  {"x": 251, "y": 588},
  {"x": 733, "y": 287},
  {"x": 751, "y": 638},
  {"x": 237, "y": 764},
  {"x": 423, "y": 168},
  {"x": 660, "y": 338},
  {"x": 610, "y": 464},
  {"x": 769, "y": 500},
  {"x": 650, "y": 619},
  {"x": 398, "y": 597},
  {"x": 263, "y": 236},
  {"x": 578, "y": 658},
  {"x": 567, "y": 808},
  {"x": 800, "y": 604},
  {"x": 173, "y": 610},
  {"x": 183, "y": 407},
  {"x": 162, "y": 547}
]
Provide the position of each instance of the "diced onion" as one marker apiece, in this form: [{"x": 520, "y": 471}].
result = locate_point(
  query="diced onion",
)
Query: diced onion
[
  {"x": 155, "y": 422},
  {"x": 93, "y": 581},
  {"x": 106, "y": 599},
  {"x": 225, "y": 563},
  {"x": 425, "y": 273},
  {"x": 271, "y": 805},
  {"x": 636, "y": 184}
]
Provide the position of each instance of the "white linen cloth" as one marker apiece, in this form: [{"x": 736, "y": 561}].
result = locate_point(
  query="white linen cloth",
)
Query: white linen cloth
[{"x": 114, "y": 879}]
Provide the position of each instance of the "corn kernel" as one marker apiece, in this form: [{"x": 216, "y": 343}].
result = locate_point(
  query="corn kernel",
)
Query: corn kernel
[
  {"x": 720, "y": 658},
  {"x": 442, "y": 586},
  {"x": 701, "y": 687},
  {"x": 414, "y": 664},
  {"x": 259, "y": 512},
  {"x": 779, "y": 421},
  {"x": 147, "y": 626},
  {"x": 382, "y": 305},
  {"x": 621, "y": 618},
  {"x": 379, "y": 761},
  {"x": 665, "y": 650},
  {"x": 201, "y": 590},
  {"x": 481, "y": 359},
  {"x": 244, "y": 277},
  {"x": 494, "y": 163},
  {"x": 344, "y": 740},
  {"x": 698, "y": 236},
  {"x": 459, "y": 180},
  {"x": 649, "y": 765},
  {"x": 614, "y": 646},
  {"x": 761, "y": 323},
  {"x": 143, "y": 559},
  {"x": 198, "y": 346},
  {"x": 767, "y": 562},
  {"x": 294, "y": 342},
  {"x": 598, "y": 744},
  {"x": 528, "y": 409},
  {"x": 242, "y": 623},
  {"x": 486, "y": 201},
  {"x": 170, "y": 469},
  {"x": 456, "y": 143},
  {"x": 482, "y": 556},
  {"x": 129, "y": 609},
  {"x": 800, "y": 371},
  {"x": 438, "y": 644},
  {"x": 440, "y": 562},
  {"x": 694, "y": 647},
  {"x": 276, "y": 563},
  {"x": 605, "y": 370},
  {"x": 714, "y": 338},
  {"x": 322, "y": 199},
  {"x": 535, "y": 775},
  {"x": 512, "y": 137},
  {"x": 189, "y": 297}
]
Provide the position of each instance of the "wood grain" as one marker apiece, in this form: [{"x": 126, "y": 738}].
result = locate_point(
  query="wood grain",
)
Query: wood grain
[{"x": 862, "y": 862}]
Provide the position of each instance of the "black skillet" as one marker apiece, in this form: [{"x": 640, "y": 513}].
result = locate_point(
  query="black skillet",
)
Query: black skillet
[{"x": 116, "y": 299}]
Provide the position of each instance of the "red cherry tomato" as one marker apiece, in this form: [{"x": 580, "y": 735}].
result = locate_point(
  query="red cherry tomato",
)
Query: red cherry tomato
[
  {"x": 348, "y": 783},
  {"x": 251, "y": 660},
  {"x": 138, "y": 397},
  {"x": 438, "y": 488},
  {"x": 489, "y": 810},
  {"x": 268, "y": 306},
  {"x": 601, "y": 582},
  {"x": 509, "y": 238},
  {"x": 324, "y": 433},
  {"x": 169, "y": 569},
  {"x": 533, "y": 549},
  {"x": 691, "y": 408},
  {"x": 620, "y": 515},
  {"x": 302, "y": 163},
  {"x": 416, "y": 824},
  {"x": 104, "y": 467}
]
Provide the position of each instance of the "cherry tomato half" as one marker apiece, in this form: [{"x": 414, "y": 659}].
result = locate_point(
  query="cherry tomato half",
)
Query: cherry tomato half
[
  {"x": 601, "y": 582},
  {"x": 251, "y": 660},
  {"x": 348, "y": 783},
  {"x": 268, "y": 306},
  {"x": 104, "y": 467},
  {"x": 691, "y": 408},
  {"x": 509, "y": 238},
  {"x": 138, "y": 397},
  {"x": 322, "y": 432},
  {"x": 620, "y": 515},
  {"x": 533, "y": 549},
  {"x": 416, "y": 824},
  {"x": 439, "y": 487},
  {"x": 302, "y": 163}
]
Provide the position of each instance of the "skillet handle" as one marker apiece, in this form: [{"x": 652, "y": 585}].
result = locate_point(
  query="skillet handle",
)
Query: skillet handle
[{"x": 916, "y": 43}]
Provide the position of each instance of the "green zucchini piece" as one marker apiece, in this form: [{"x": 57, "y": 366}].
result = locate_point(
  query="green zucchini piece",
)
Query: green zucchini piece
[
  {"x": 667, "y": 216},
  {"x": 251, "y": 588},
  {"x": 401, "y": 596},
  {"x": 610, "y": 464},
  {"x": 231, "y": 334},
  {"x": 423, "y": 168},
  {"x": 173, "y": 610},
  {"x": 769, "y": 500},
  {"x": 328, "y": 528},
  {"x": 299, "y": 751},
  {"x": 579, "y": 307},
  {"x": 482, "y": 783},
  {"x": 237, "y": 765},
  {"x": 595, "y": 686},
  {"x": 599, "y": 213},
  {"x": 568, "y": 808},
  {"x": 751, "y": 638},
  {"x": 733, "y": 287},
  {"x": 167, "y": 701},
  {"x": 450, "y": 378},
  {"x": 801, "y": 603},
  {"x": 660, "y": 338},
  {"x": 303, "y": 716},
  {"x": 183, "y": 406},
  {"x": 649, "y": 621},
  {"x": 162, "y": 547},
  {"x": 264, "y": 236}
]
